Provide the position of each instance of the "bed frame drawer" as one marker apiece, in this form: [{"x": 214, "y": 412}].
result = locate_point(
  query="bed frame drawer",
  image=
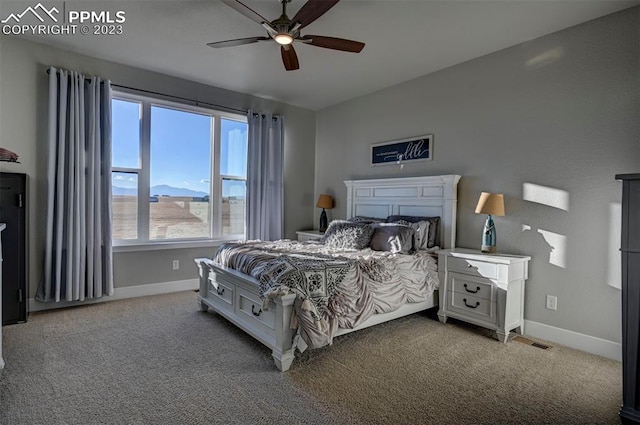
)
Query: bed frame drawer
[
  {"x": 221, "y": 294},
  {"x": 473, "y": 267},
  {"x": 249, "y": 307},
  {"x": 469, "y": 305}
]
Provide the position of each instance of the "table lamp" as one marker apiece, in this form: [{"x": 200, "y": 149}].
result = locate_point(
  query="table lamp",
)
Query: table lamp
[
  {"x": 490, "y": 204},
  {"x": 324, "y": 201}
]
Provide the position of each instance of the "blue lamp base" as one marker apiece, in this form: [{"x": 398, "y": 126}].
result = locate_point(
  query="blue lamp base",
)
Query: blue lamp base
[{"x": 489, "y": 236}]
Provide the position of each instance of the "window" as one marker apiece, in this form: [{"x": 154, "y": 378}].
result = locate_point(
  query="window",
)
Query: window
[{"x": 178, "y": 172}]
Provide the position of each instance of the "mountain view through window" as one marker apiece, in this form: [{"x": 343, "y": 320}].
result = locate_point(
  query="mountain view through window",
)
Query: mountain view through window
[{"x": 190, "y": 165}]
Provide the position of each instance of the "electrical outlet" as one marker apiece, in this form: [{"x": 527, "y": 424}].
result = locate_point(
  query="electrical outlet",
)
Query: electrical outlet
[
  {"x": 552, "y": 302},
  {"x": 176, "y": 264}
]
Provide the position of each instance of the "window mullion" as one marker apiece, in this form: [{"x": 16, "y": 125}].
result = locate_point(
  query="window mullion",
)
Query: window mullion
[
  {"x": 232, "y": 177},
  {"x": 125, "y": 170},
  {"x": 216, "y": 181},
  {"x": 144, "y": 177}
]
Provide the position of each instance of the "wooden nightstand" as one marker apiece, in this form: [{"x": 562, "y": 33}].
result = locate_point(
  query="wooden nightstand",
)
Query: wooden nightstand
[
  {"x": 309, "y": 235},
  {"x": 484, "y": 289}
]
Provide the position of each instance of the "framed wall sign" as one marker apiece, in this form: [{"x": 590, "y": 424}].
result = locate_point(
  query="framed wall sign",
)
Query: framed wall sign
[{"x": 419, "y": 148}]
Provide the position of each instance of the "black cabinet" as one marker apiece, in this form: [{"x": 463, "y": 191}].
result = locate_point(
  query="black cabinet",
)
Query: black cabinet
[
  {"x": 630, "y": 249},
  {"x": 13, "y": 212}
]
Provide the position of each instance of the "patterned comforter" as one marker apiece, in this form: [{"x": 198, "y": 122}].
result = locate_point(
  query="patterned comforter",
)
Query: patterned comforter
[{"x": 335, "y": 289}]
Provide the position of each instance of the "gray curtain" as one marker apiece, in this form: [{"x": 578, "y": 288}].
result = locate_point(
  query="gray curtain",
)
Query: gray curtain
[
  {"x": 265, "y": 163},
  {"x": 78, "y": 257}
]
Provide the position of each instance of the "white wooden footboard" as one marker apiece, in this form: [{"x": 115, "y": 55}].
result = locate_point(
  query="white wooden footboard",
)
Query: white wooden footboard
[{"x": 236, "y": 297}]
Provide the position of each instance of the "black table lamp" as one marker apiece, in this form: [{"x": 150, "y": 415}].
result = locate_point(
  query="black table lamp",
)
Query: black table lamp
[{"x": 324, "y": 202}]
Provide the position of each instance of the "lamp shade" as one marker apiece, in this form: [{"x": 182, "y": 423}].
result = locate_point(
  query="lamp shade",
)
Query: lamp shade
[
  {"x": 491, "y": 204},
  {"x": 325, "y": 201}
]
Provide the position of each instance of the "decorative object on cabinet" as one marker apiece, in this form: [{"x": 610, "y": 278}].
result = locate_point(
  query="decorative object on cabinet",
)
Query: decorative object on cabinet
[
  {"x": 7, "y": 156},
  {"x": 13, "y": 212},
  {"x": 324, "y": 202},
  {"x": 309, "y": 235},
  {"x": 486, "y": 290},
  {"x": 490, "y": 204},
  {"x": 419, "y": 148},
  {"x": 630, "y": 249}
]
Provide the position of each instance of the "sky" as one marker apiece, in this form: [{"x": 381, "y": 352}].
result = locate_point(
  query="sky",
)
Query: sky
[{"x": 180, "y": 147}]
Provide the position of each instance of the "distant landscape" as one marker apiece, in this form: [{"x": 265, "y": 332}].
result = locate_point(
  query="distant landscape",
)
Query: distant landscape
[
  {"x": 175, "y": 213},
  {"x": 160, "y": 190}
]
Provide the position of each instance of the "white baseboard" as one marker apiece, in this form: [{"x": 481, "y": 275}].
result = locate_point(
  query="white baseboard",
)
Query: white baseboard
[
  {"x": 590, "y": 344},
  {"x": 122, "y": 293}
]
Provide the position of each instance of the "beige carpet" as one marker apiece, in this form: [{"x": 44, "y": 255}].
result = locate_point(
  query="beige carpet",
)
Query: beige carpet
[{"x": 159, "y": 360}]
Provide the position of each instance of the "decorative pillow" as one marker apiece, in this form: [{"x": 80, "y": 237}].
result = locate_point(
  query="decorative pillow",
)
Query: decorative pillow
[
  {"x": 342, "y": 234},
  {"x": 393, "y": 237},
  {"x": 421, "y": 229},
  {"x": 365, "y": 219},
  {"x": 434, "y": 224}
]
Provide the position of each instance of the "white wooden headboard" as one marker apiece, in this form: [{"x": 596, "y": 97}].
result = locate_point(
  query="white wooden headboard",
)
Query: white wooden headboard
[{"x": 430, "y": 196}]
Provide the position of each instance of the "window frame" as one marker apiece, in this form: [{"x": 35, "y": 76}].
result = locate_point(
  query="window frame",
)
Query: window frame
[{"x": 143, "y": 173}]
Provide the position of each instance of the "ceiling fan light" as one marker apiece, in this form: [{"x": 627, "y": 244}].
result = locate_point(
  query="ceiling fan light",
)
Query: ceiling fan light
[{"x": 283, "y": 38}]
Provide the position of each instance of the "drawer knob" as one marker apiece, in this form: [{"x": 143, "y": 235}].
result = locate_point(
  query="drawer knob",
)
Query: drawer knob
[
  {"x": 220, "y": 291},
  {"x": 254, "y": 312},
  {"x": 471, "y": 306},
  {"x": 469, "y": 290},
  {"x": 469, "y": 266}
]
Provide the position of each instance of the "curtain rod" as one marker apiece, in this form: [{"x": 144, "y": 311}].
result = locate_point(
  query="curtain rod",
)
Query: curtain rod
[{"x": 197, "y": 102}]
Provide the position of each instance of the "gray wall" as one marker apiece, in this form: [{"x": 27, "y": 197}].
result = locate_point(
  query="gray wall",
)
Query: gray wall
[
  {"x": 23, "y": 115},
  {"x": 548, "y": 123}
]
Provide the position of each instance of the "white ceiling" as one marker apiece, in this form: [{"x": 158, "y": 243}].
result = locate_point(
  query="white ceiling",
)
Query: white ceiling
[{"x": 404, "y": 40}]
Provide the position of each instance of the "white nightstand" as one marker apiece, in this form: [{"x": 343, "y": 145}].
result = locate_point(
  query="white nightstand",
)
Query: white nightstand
[
  {"x": 309, "y": 235},
  {"x": 484, "y": 289}
]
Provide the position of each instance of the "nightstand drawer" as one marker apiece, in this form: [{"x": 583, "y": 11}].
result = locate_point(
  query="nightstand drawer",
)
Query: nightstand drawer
[
  {"x": 464, "y": 284},
  {"x": 473, "y": 306},
  {"x": 473, "y": 267}
]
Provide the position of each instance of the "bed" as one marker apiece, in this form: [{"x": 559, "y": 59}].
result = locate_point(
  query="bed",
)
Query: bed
[{"x": 273, "y": 320}]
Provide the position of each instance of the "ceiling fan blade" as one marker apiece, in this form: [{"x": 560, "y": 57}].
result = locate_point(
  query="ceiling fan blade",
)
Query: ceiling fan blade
[
  {"x": 312, "y": 10},
  {"x": 237, "y": 42},
  {"x": 333, "y": 43},
  {"x": 289, "y": 58},
  {"x": 245, "y": 10}
]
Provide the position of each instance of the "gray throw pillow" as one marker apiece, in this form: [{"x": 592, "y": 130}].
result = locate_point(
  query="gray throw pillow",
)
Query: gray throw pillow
[
  {"x": 342, "y": 234},
  {"x": 393, "y": 237},
  {"x": 434, "y": 225},
  {"x": 422, "y": 232}
]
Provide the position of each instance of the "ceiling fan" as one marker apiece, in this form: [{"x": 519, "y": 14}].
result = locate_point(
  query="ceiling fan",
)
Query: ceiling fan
[{"x": 285, "y": 31}]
